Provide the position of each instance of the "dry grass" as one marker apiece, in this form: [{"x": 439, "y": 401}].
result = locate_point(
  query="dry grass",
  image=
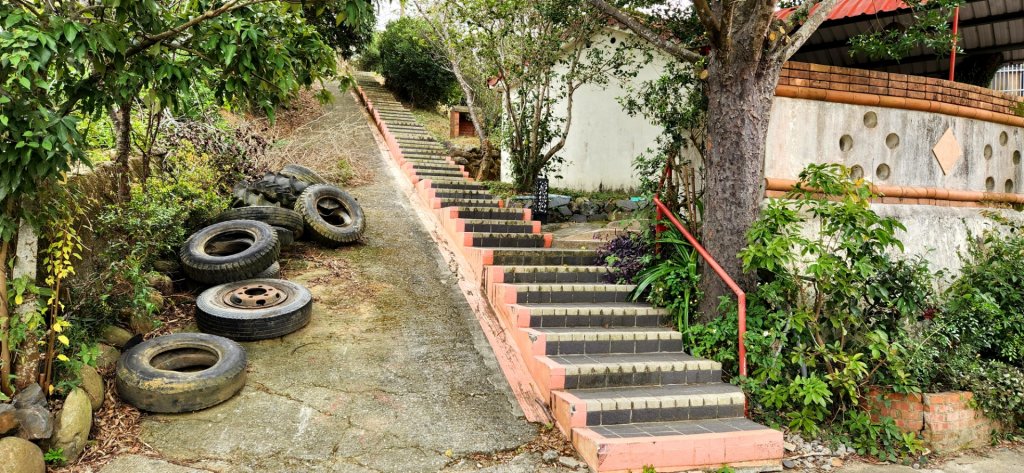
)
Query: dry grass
[{"x": 439, "y": 128}]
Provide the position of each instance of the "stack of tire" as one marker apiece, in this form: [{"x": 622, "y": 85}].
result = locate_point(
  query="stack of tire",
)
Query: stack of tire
[{"x": 238, "y": 255}]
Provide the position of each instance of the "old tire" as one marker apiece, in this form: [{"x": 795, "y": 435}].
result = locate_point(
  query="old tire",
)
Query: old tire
[
  {"x": 286, "y": 236},
  {"x": 303, "y": 174},
  {"x": 332, "y": 216},
  {"x": 182, "y": 372},
  {"x": 269, "y": 214},
  {"x": 255, "y": 309},
  {"x": 230, "y": 251},
  {"x": 273, "y": 272}
]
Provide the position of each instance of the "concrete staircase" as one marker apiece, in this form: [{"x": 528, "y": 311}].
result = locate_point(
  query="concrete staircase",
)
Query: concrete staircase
[{"x": 617, "y": 381}]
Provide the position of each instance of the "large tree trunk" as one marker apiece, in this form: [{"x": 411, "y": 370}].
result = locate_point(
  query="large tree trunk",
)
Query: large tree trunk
[
  {"x": 740, "y": 98},
  {"x": 122, "y": 118}
]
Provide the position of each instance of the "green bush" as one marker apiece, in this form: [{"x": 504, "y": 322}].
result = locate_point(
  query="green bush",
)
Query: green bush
[{"x": 412, "y": 67}]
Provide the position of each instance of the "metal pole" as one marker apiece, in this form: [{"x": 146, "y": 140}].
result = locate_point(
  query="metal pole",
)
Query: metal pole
[{"x": 952, "y": 54}]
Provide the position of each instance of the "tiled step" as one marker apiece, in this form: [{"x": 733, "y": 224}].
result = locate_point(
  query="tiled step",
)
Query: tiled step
[
  {"x": 601, "y": 340},
  {"x": 489, "y": 213},
  {"x": 428, "y": 173},
  {"x": 541, "y": 257},
  {"x": 587, "y": 315},
  {"x": 639, "y": 404},
  {"x": 507, "y": 240},
  {"x": 552, "y": 274},
  {"x": 463, "y": 194},
  {"x": 419, "y": 152},
  {"x": 456, "y": 184},
  {"x": 643, "y": 369},
  {"x": 497, "y": 226},
  {"x": 435, "y": 165},
  {"x": 450, "y": 202},
  {"x": 567, "y": 293}
]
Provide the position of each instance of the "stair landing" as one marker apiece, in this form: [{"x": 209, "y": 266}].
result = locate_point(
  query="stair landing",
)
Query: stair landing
[{"x": 617, "y": 382}]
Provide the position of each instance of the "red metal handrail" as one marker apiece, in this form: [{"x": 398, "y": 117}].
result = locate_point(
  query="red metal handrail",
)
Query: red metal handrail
[{"x": 663, "y": 211}]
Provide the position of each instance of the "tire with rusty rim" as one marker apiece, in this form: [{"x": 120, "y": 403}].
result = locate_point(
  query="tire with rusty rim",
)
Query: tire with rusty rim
[
  {"x": 230, "y": 251},
  {"x": 332, "y": 216},
  {"x": 255, "y": 309},
  {"x": 182, "y": 372},
  {"x": 303, "y": 174}
]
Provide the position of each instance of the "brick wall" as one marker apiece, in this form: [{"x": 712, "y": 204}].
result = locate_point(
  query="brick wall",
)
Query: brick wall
[
  {"x": 946, "y": 421},
  {"x": 859, "y": 86}
]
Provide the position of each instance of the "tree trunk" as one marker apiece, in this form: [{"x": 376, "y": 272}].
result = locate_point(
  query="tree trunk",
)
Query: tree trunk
[
  {"x": 122, "y": 118},
  {"x": 739, "y": 105},
  {"x": 5, "y": 325},
  {"x": 26, "y": 367}
]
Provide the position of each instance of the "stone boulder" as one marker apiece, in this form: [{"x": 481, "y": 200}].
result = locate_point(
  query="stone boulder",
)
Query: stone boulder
[
  {"x": 161, "y": 282},
  {"x": 34, "y": 422},
  {"x": 73, "y": 425},
  {"x": 115, "y": 336},
  {"x": 20, "y": 456},
  {"x": 108, "y": 357},
  {"x": 92, "y": 384},
  {"x": 8, "y": 418},
  {"x": 32, "y": 395}
]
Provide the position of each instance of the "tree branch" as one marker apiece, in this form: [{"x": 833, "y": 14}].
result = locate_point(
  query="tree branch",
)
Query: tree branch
[
  {"x": 708, "y": 18},
  {"x": 811, "y": 24},
  {"x": 646, "y": 33}
]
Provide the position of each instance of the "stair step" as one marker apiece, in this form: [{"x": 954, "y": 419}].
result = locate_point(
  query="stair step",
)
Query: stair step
[
  {"x": 571, "y": 293},
  {"x": 665, "y": 403},
  {"x": 456, "y": 184},
  {"x": 554, "y": 274},
  {"x": 623, "y": 314},
  {"x": 643, "y": 369},
  {"x": 450, "y": 202},
  {"x": 600, "y": 340},
  {"x": 490, "y": 213},
  {"x": 436, "y": 165},
  {"x": 421, "y": 153},
  {"x": 425, "y": 173},
  {"x": 509, "y": 240},
  {"x": 498, "y": 226},
  {"x": 542, "y": 257},
  {"x": 464, "y": 194}
]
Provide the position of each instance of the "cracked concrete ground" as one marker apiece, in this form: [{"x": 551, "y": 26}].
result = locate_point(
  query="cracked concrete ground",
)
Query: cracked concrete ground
[{"x": 392, "y": 374}]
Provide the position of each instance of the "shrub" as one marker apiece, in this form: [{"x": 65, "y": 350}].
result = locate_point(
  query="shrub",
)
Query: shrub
[
  {"x": 672, "y": 280},
  {"x": 626, "y": 256},
  {"x": 412, "y": 67}
]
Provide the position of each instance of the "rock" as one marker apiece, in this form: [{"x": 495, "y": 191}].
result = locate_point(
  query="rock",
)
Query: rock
[
  {"x": 837, "y": 462},
  {"x": 8, "y": 418},
  {"x": 166, "y": 266},
  {"x": 461, "y": 160},
  {"x": 156, "y": 299},
  {"x": 789, "y": 446},
  {"x": 788, "y": 464},
  {"x": 589, "y": 208},
  {"x": 92, "y": 384},
  {"x": 826, "y": 451},
  {"x": 626, "y": 205},
  {"x": 598, "y": 217},
  {"x": 32, "y": 395},
  {"x": 578, "y": 218},
  {"x": 161, "y": 282},
  {"x": 73, "y": 425},
  {"x": 108, "y": 357},
  {"x": 36, "y": 422},
  {"x": 20, "y": 456},
  {"x": 569, "y": 462},
  {"x": 549, "y": 456},
  {"x": 558, "y": 200},
  {"x": 564, "y": 210},
  {"x": 916, "y": 466},
  {"x": 115, "y": 336},
  {"x": 142, "y": 323}
]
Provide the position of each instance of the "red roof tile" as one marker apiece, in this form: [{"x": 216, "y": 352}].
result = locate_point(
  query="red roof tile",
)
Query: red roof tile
[{"x": 854, "y": 8}]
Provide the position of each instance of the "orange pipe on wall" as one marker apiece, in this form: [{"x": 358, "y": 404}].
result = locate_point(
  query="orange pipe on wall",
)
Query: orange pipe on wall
[{"x": 912, "y": 192}]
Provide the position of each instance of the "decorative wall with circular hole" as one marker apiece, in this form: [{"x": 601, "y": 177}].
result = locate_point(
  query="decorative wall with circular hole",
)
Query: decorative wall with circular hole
[
  {"x": 871, "y": 119},
  {"x": 892, "y": 140},
  {"x": 882, "y": 171},
  {"x": 1003, "y": 138},
  {"x": 990, "y": 184},
  {"x": 1008, "y": 186},
  {"x": 1016, "y": 158},
  {"x": 846, "y": 143},
  {"x": 856, "y": 172},
  {"x": 988, "y": 151}
]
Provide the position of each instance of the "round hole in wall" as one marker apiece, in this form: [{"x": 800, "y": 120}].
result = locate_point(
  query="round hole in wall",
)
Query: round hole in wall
[
  {"x": 856, "y": 172},
  {"x": 990, "y": 184},
  {"x": 892, "y": 140},
  {"x": 988, "y": 151},
  {"x": 1008, "y": 186},
  {"x": 1016, "y": 157},
  {"x": 1003, "y": 138},
  {"x": 882, "y": 171},
  {"x": 871, "y": 119},
  {"x": 612, "y": 40},
  {"x": 846, "y": 143}
]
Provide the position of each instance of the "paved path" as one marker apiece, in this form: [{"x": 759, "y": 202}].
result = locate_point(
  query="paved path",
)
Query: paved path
[{"x": 392, "y": 374}]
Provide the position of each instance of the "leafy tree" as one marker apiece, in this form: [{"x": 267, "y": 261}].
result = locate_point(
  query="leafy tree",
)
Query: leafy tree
[
  {"x": 347, "y": 37},
  {"x": 412, "y": 66},
  {"x": 62, "y": 60},
  {"x": 741, "y": 53}
]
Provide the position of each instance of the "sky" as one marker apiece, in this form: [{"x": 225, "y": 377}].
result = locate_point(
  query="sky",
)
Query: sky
[{"x": 389, "y": 10}]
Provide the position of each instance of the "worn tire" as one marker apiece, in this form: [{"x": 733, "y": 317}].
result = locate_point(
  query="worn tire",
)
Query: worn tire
[
  {"x": 156, "y": 375},
  {"x": 332, "y": 216},
  {"x": 272, "y": 272},
  {"x": 244, "y": 310},
  {"x": 286, "y": 236},
  {"x": 268, "y": 214},
  {"x": 230, "y": 251},
  {"x": 303, "y": 174}
]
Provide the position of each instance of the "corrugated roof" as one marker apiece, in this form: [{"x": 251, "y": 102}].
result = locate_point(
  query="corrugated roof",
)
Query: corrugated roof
[{"x": 855, "y": 8}]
